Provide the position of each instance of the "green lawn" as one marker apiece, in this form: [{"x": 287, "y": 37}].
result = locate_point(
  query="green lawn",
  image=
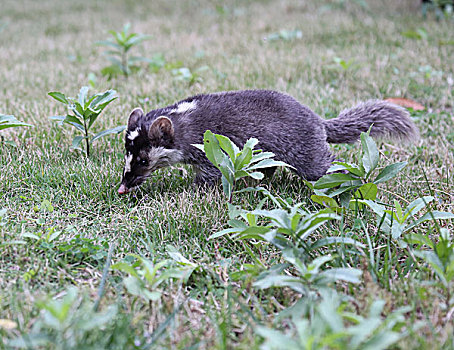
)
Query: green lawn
[{"x": 74, "y": 255}]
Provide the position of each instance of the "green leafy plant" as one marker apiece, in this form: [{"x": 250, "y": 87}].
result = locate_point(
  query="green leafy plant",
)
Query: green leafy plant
[
  {"x": 119, "y": 54},
  {"x": 83, "y": 112},
  {"x": 343, "y": 64},
  {"x": 157, "y": 61},
  {"x": 145, "y": 277},
  {"x": 189, "y": 76},
  {"x": 71, "y": 322},
  {"x": 289, "y": 228},
  {"x": 234, "y": 163},
  {"x": 328, "y": 326},
  {"x": 306, "y": 279},
  {"x": 439, "y": 255},
  {"x": 346, "y": 180}
]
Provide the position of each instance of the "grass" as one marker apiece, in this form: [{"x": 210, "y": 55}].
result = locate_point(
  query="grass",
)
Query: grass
[{"x": 46, "y": 187}]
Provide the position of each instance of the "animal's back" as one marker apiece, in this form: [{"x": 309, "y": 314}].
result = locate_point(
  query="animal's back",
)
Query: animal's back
[{"x": 282, "y": 125}]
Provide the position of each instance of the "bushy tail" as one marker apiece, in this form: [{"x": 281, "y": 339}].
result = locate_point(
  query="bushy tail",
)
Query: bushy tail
[{"x": 388, "y": 120}]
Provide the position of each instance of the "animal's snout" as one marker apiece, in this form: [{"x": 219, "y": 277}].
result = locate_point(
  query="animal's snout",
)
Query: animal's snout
[{"x": 123, "y": 189}]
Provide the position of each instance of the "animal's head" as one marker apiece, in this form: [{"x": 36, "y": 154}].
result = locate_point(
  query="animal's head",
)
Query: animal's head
[{"x": 148, "y": 148}]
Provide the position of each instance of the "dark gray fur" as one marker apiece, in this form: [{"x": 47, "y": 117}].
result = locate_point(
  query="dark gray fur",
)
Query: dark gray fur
[{"x": 294, "y": 133}]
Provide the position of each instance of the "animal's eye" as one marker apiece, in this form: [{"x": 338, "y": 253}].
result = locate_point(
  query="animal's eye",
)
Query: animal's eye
[{"x": 143, "y": 162}]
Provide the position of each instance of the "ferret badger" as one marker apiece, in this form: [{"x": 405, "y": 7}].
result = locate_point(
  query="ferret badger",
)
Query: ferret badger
[{"x": 294, "y": 133}]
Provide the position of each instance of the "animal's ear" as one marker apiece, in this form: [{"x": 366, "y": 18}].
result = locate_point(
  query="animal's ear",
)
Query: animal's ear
[
  {"x": 161, "y": 128},
  {"x": 134, "y": 117}
]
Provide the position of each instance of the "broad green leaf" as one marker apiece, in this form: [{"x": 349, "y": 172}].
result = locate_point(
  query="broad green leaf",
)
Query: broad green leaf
[
  {"x": 377, "y": 208},
  {"x": 76, "y": 141},
  {"x": 77, "y": 126},
  {"x": 82, "y": 97},
  {"x": 59, "y": 97},
  {"x": 277, "y": 340},
  {"x": 344, "y": 274},
  {"x": 177, "y": 256},
  {"x": 370, "y": 153},
  {"x": 333, "y": 180},
  {"x": 389, "y": 172},
  {"x": 251, "y": 143},
  {"x": 228, "y": 146},
  {"x": 363, "y": 331},
  {"x": 256, "y": 175},
  {"x": 111, "y": 71},
  {"x": 101, "y": 98},
  {"x": 430, "y": 216},
  {"x": 227, "y": 187},
  {"x": 279, "y": 216},
  {"x": 325, "y": 201},
  {"x": 100, "y": 319},
  {"x": 343, "y": 188},
  {"x": 268, "y": 163},
  {"x": 397, "y": 229},
  {"x": 59, "y": 118},
  {"x": 335, "y": 240},
  {"x": 136, "y": 287},
  {"x": 313, "y": 221},
  {"x": 278, "y": 281},
  {"x": 367, "y": 191},
  {"x": 13, "y": 125},
  {"x": 419, "y": 239},
  {"x": 262, "y": 155},
  {"x": 352, "y": 168},
  {"x": 199, "y": 146},
  {"x": 253, "y": 232},
  {"x": 240, "y": 174},
  {"x": 243, "y": 158},
  {"x": 432, "y": 259},
  {"x": 417, "y": 205},
  {"x": 212, "y": 149},
  {"x": 108, "y": 43},
  {"x": 136, "y": 39},
  {"x": 223, "y": 233},
  {"x": 71, "y": 119},
  {"x": 398, "y": 212},
  {"x": 317, "y": 263},
  {"x": 77, "y": 109},
  {"x": 10, "y": 121},
  {"x": 7, "y": 118},
  {"x": 116, "y": 130}
]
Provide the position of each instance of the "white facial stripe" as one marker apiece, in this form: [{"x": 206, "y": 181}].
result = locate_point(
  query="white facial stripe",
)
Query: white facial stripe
[
  {"x": 133, "y": 134},
  {"x": 128, "y": 159},
  {"x": 160, "y": 157},
  {"x": 185, "y": 107}
]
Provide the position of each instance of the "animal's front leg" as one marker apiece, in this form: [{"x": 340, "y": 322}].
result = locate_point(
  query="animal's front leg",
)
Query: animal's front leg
[{"x": 206, "y": 174}]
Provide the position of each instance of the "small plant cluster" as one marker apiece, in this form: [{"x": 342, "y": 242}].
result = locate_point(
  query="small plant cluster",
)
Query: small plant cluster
[
  {"x": 119, "y": 53},
  {"x": 83, "y": 112}
]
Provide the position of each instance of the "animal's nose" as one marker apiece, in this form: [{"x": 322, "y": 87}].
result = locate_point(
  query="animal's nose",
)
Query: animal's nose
[{"x": 122, "y": 189}]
